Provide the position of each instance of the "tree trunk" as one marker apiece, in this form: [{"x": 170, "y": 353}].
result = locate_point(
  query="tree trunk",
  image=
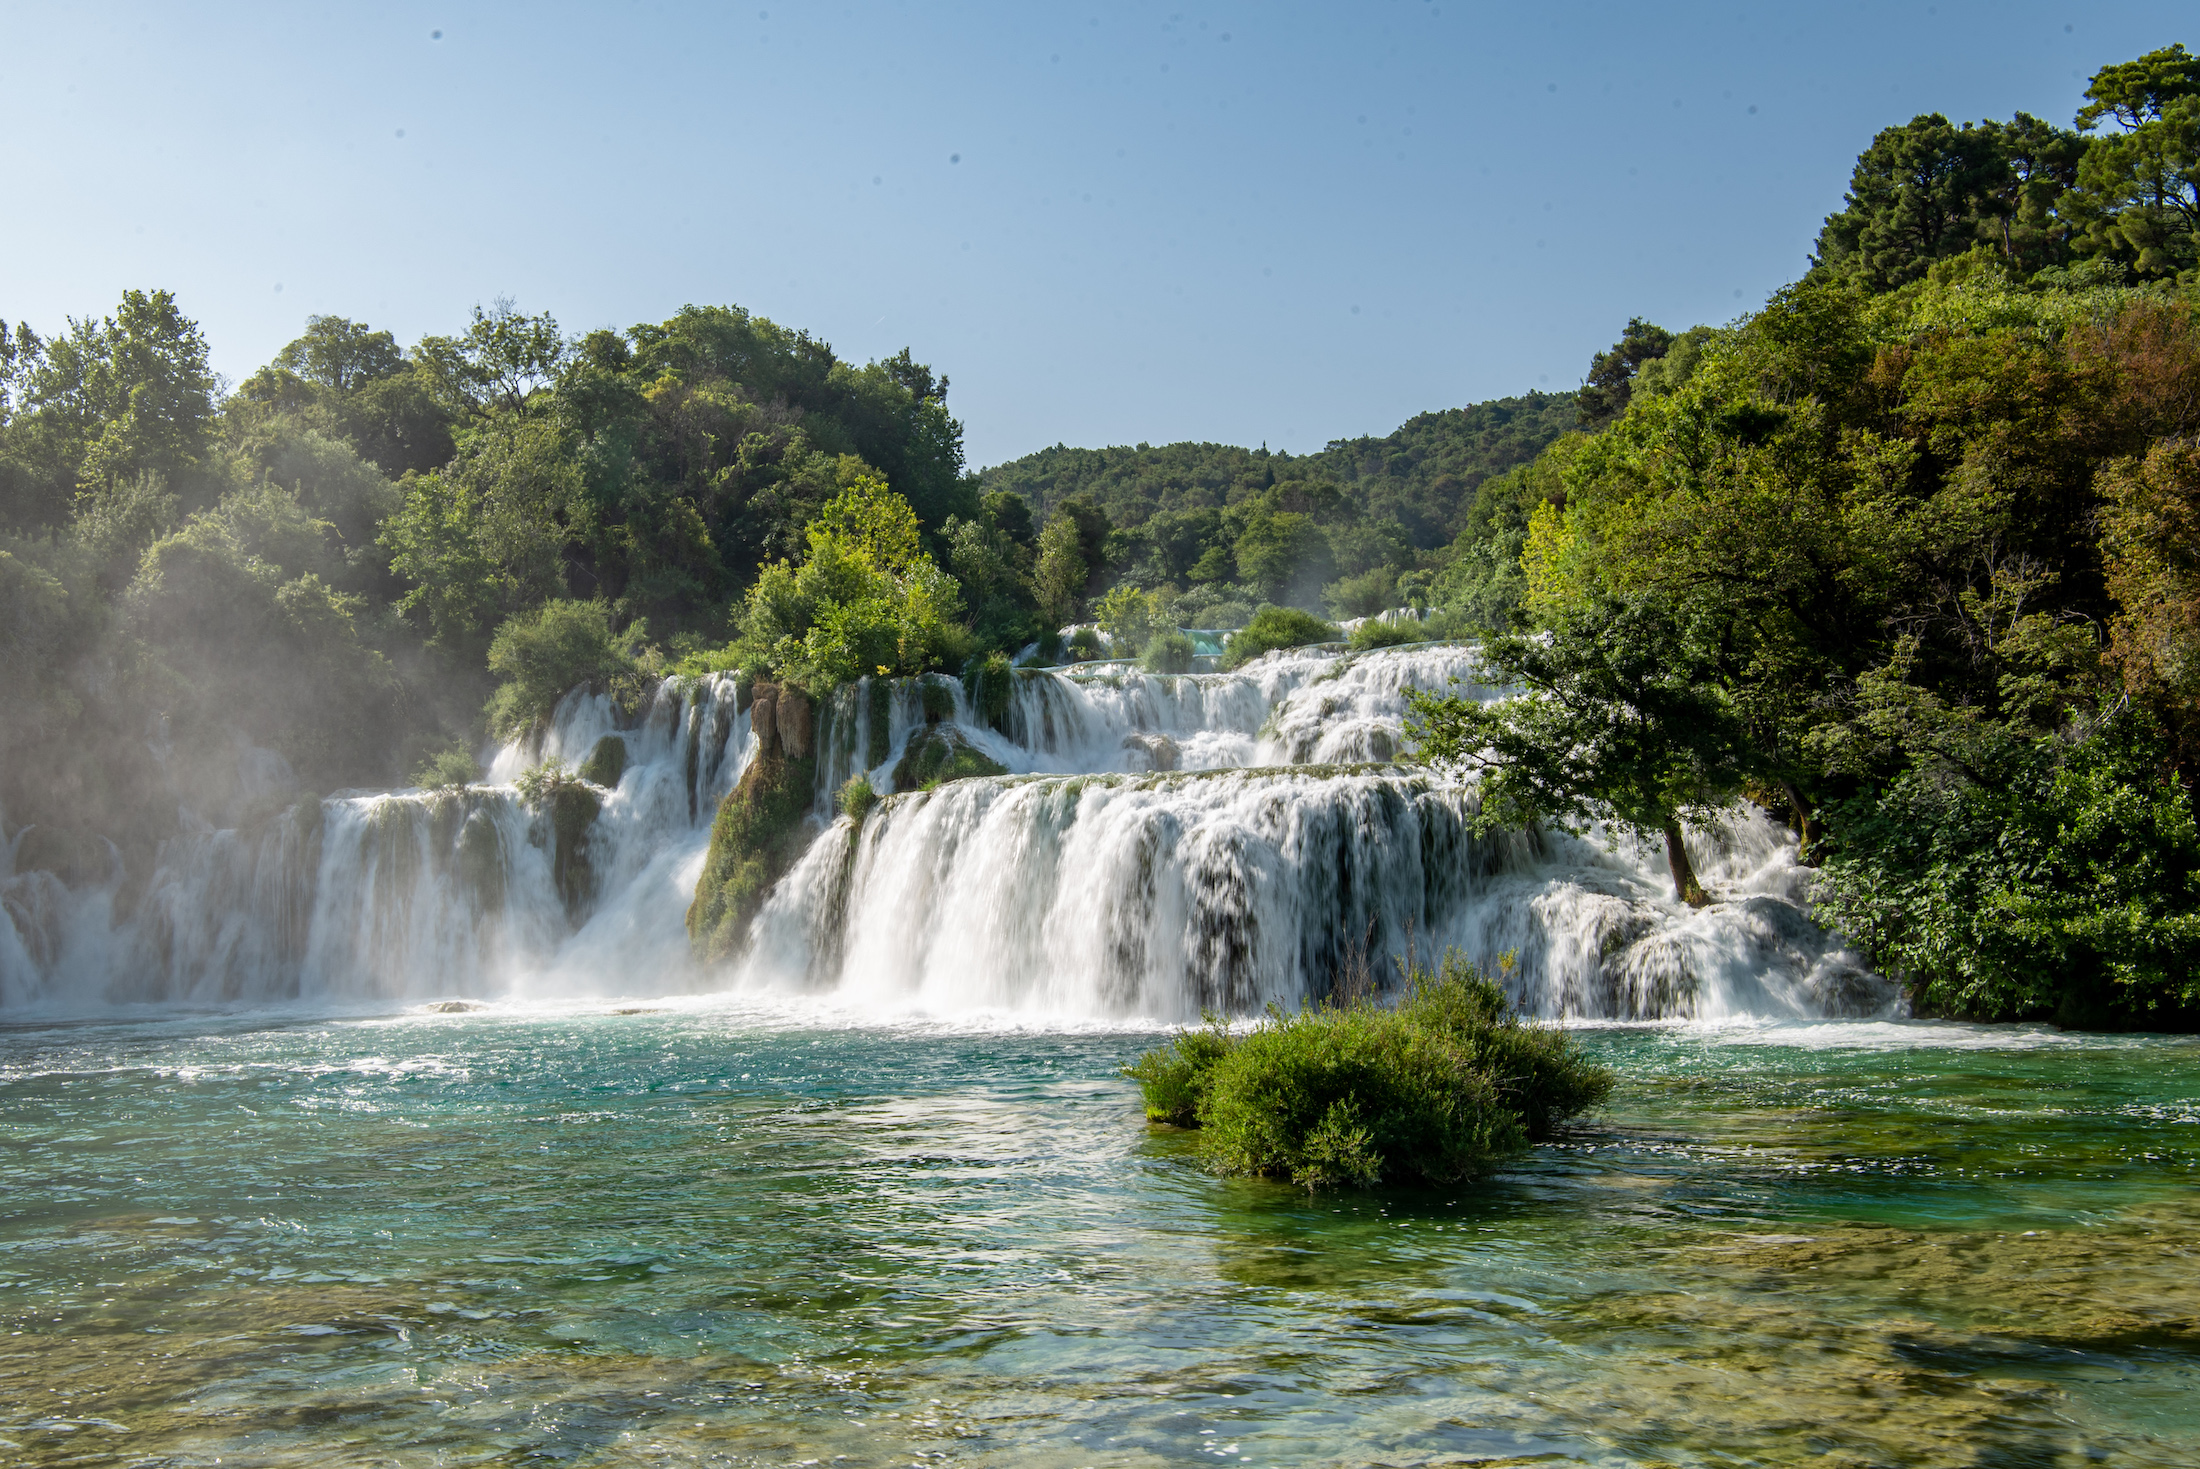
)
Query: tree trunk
[
  {"x": 1685, "y": 886},
  {"x": 1809, "y": 830}
]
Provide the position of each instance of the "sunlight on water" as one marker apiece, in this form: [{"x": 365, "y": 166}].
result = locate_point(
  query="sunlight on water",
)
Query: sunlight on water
[{"x": 718, "y": 1231}]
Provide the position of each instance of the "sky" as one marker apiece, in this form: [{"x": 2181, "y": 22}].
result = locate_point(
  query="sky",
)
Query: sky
[{"x": 1107, "y": 223}]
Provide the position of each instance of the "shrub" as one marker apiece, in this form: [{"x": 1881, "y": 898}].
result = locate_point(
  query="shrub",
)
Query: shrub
[
  {"x": 1172, "y": 652},
  {"x": 543, "y": 654},
  {"x": 1439, "y": 1088},
  {"x": 1276, "y": 627},
  {"x": 857, "y": 798},
  {"x": 447, "y": 769},
  {"x": 1084, "y": 643},
  {"x": 2066, "y": 889},
  {"x": 1373, "y": 634}
]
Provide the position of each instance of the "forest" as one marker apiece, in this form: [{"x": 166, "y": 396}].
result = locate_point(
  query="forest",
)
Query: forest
[{"x": 1911, "y": 556}]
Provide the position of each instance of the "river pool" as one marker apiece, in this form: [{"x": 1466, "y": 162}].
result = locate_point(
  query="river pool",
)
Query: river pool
[{"x": 672, "y": 1232}]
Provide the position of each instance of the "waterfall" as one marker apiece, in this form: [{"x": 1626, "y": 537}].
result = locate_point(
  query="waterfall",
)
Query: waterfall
[
  {"x": 1168, "y": 845},
  {"x": 1162, "y": 845},
  {"x": 411, "y": 894}
]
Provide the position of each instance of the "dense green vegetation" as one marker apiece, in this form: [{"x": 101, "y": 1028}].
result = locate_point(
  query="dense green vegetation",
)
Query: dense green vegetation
[
  {"x": 1359, "y": 527},
  {"x": 1906, "y": 557},
  {"x": 1439, "y": 1088}
]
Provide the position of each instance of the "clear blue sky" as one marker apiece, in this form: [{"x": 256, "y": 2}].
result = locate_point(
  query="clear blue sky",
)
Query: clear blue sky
[{"x": 1107, "y": 223}]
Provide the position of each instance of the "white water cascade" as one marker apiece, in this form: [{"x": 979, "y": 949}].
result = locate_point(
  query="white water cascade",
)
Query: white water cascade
[
  {"x": 1161, "y": 845},
  {"x": 1169, "y": 845}
]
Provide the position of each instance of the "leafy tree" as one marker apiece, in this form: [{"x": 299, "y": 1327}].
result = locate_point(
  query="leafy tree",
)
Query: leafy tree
[
  {"x": 2065, "y": 885},
  {"x": 2138, "y": 195},
  {"x": 342, "y": 355},
  {"x": 501, "y": 360},
  {"x": 1930, "y": 190},
  {"x": 1272, "y": 628},
  {"x": 1284, "y": 557},
  {"x": 542, "y": 654},
  {"x": 1622, "y": 719},
  {"x": 1612, "y": 372}
]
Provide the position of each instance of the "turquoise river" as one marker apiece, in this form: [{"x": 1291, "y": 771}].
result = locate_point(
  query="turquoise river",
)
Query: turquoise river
[{"x": 705, "y": 1232}]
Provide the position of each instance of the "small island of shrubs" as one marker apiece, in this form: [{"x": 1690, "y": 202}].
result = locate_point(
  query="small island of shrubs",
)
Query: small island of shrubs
[{"x": 1438, "y": 1088}]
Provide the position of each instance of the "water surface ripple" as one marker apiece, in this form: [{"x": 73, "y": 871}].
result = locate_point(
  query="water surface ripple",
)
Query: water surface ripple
[{"x": 685, "y": 1232}]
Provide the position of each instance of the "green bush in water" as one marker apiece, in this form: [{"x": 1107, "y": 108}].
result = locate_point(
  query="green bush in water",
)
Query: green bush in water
[
  {"x": 605, "y": 763},
  {"x": 1439, "y": 1088},
  {"x": 1171, "y": 652},
  {"x": 573, "y": 808},
  {"x": 1083, "y": 644},
  {"x": 446, "y": 769},
  {"x": 857, "y": 798},
  {"x": 939, "y": 699},
  {"x": 1372, "y": 634},
  {"x": 1276, "y": 627}
]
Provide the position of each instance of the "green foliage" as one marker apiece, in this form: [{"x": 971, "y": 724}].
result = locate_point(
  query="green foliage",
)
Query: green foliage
[
  {"x": 1171, "y": 652},
  {"x": 1083, "y": 644},
  {"x": 542, "y": 655},
  {"x": 2066, "y": 885},
  {"x": 1272, "y": 628},
  {"x": 856, "y": 798},
  {"x": 1419, "y": 477},
  {"x": 864, "y": 600},
  {"x": 1929, "y": 191},
  {"x": 1612, "y": 373},
  {"x": 1439, "y": 1088},
  {"x": 1622, "y": 717},
  {"x": 989, "y": 682},
  {"x": 1130, "y": 617},
  {"x": 1370, "y": 635},
  {"x": 446, "y": 770}
]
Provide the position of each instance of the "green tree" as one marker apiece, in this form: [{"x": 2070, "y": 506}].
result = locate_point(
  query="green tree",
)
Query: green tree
[
  {"x": 541, "y": 655},
  {"x": 1060, "y": 573},
  {"x": 1612, "y": 372},
  {"x": 2138, "y": 195},
  {"x": 501, "y": 361},
  {"x": 342, "y": 355},
  {"x": 1930, "y": 190},
  {"x": 1622, "y": 718}
]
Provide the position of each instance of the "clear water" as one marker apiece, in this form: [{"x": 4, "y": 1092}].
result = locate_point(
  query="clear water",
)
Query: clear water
[{"x": 688, "y": 1232}]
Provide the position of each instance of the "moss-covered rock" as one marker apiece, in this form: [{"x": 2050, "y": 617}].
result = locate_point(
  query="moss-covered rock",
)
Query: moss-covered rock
[
  {"x": 756, "y": 837},
  {"x": 574, "y": 808},
  {"x": 759, "y": 829},
  {"x": 939, "y": 754},
  {"x": 605, "y": 763}
]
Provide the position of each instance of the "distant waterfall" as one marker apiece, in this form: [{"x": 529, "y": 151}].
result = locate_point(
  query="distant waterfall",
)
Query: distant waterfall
[{"x": 1164, "y": 845}]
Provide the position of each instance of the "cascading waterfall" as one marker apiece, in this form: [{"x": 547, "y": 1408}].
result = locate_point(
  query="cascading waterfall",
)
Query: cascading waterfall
[
  {"x": 413, "y": 894},
  {"x": 1163, "y": 845},
  {"x": 1175, "y": 844}
]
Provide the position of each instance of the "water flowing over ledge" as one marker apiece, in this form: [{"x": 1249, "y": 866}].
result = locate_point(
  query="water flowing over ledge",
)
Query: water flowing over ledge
[{"x": 1164, "y": 845}]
